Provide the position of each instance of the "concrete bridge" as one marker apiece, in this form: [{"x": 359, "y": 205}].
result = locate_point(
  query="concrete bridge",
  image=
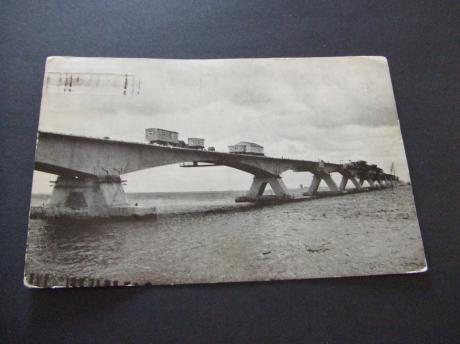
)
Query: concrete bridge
[{"x": 89, "y": 171}]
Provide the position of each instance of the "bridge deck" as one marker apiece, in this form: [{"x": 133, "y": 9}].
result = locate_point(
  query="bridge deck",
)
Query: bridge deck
[{"x": 62, "y": 153}]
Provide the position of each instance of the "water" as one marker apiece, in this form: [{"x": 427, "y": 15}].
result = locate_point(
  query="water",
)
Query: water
[{"x": 206, "y": 237}]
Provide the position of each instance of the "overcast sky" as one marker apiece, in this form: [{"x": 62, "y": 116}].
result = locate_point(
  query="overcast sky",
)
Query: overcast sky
[{"x": 305, "y": 108}]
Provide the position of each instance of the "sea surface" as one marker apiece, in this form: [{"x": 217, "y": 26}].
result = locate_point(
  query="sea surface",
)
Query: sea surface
[{"x": 202, "y": 237}]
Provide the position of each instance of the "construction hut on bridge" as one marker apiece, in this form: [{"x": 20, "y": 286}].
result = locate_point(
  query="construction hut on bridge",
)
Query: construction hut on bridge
[
  {"x": 245, "y": 147},
  {"x": 195, "y": 143}
]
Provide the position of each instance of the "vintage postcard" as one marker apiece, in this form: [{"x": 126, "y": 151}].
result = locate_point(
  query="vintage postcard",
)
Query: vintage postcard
[{"x": 163, "y": 171}]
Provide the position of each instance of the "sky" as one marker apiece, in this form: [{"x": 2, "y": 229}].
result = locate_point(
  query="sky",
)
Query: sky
[{"x": 334, "y": 109}]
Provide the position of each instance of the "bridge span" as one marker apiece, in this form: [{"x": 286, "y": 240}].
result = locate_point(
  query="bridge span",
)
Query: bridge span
[{"x": 89, "y": 172}]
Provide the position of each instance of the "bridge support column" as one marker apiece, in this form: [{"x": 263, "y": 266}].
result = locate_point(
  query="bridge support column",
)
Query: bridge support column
[
  {"x": 369, "y": 181},
  {"x": 356, "y": 183},
  {"x": 345, "y": 180},
  {"x": 258, "y": 186},
  {"x": 377, "y": 184},
  {"x": 317, "y": 177},
  {"x": 314, "y": 184},
  {"x": 90, "y": 192},
  {"x": 343, "y": 183},
  {"x": 349, "y": 177},
  {"x": 330, "y": 183},
  {"x": 82, "y": 197}
]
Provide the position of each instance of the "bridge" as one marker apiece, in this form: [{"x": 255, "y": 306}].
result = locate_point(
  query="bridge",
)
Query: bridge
[{"x": 89, "y": 172}]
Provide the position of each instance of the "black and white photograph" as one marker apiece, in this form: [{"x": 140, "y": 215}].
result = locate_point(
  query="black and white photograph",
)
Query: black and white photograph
[{"x": 170, "y": 171}]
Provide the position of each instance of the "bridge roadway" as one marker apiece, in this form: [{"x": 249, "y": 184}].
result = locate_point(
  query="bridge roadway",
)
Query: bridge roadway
[
  {"x": 79, "y": 155},
  {"x": 89, "y": 169}
]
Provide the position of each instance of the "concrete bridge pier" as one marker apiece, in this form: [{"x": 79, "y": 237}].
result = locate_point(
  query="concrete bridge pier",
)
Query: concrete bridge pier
[
  {"x": 255, "y": 193},
  {"x": 344, "y": 182},
  {"x": 88, "y": 192},
  {"x": 374, "y": 183},
  {"x": 317, "y": 178},
  {"x": 88, "y": 197},
  {"x": 381, "y": 183},
  {"x": 368, "y": 180},
  {"x": 355, "y": 183},
  {"x": 389, "y": 182}
]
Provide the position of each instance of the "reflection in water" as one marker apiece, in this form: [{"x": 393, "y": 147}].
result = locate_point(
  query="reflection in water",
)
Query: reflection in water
[{"x": 202, "y": 237}]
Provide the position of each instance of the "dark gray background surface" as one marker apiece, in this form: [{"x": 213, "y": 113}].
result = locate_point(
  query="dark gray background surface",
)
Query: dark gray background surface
[{"x": 421, "y": 41}]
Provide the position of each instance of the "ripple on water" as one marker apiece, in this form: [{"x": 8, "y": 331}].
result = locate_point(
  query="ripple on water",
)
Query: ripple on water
[{"x": 207, "y": 237}]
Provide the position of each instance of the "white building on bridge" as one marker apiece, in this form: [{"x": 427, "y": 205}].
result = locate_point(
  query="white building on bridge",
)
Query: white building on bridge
[{"x": 245, "y": 147}]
